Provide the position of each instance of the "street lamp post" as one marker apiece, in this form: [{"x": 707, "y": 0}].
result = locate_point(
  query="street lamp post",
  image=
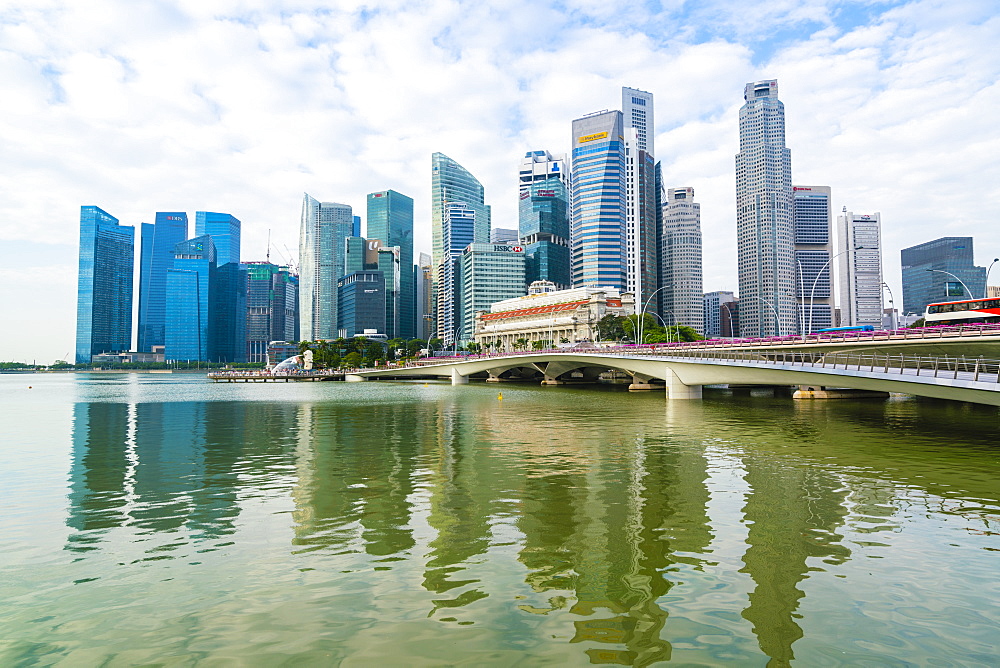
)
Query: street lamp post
[
  {"x": 892, "y": 308},
  {"x": 777, "y": 321},
  {"x": 966, "y": 287},
  {"x": 730, "y": 312},
  {"x": 986, "y": 283},
  {"x": 642, "y": 312},
  {"x": 812, "y": 293}
]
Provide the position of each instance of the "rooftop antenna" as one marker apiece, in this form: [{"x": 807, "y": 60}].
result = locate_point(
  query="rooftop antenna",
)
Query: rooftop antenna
[{"x": 269, "y": 245}]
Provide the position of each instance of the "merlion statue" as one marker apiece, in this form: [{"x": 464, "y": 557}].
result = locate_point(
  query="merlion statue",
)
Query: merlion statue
[{"x": 308, "y": 355}]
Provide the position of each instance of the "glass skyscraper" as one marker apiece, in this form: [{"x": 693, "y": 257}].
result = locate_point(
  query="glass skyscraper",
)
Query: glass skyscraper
[
  {"x": 642, "y": 249},
  {"x": 765, "y": 241},
  {"x": 104, "y": 287},
  {"x": 157, "y": 256},
  {"x": 225, "y": 231},
  {"x": 272, "y": 308},
  {"x": 189, "y": 288},
  {"x": 451, "y": 185},
  {"x": 813, "y": 224},
  {"x": 925, "y": 273},
  {"x": 324, "y": 227},
  {"x": 683, "y": 299},
  {"x": 543, "y": 218},
  {"x": 598, "y": 205},
  {"x": 390, "y": 220}
]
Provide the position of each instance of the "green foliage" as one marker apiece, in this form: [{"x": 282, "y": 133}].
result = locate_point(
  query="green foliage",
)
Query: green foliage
[
  {"x": 919, "y": 323},
  {"x": 352, "y": 360},
  {"x": 473, "y": 347},
  {"x": 414, "y": 346},
  {"x": 435, "y": 344},
  {"x": 520, "y": 344},
  {"x": 541, "y": 344},
  {"x": 15, "y": 365},
  {"x": 611, "y": 327}
]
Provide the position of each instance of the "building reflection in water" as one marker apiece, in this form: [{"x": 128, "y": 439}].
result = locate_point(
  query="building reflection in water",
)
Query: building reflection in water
[{"x": 164, "y": 468}]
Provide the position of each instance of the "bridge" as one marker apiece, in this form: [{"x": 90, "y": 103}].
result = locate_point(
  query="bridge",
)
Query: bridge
[{"x": 682, "y": 372}]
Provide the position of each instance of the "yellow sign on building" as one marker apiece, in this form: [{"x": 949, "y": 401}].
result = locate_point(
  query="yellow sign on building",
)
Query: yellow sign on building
[{"x": 593, "y": 137}]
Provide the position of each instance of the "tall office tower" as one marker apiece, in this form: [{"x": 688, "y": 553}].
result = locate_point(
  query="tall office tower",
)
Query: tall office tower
[
  {"x": 156, "y": 255},
  {"x": 452, "y": 183},
  {"x": 812, "y": 225},
  {"x": 642, "y": 251},
  {"x": 764, "y": 215},
  {"x": 191, "y": 282},
  {"x": 503, "y": 235},
  {"x": 225, "y": 232},
  {"x": 718, "y": 314},
  {"x": 597, "y": 221},
  {"x": 369, "y": 255},
  {"x": 104, "y": 285},
  {"x": 228, "y": 342},
  {"x": 425, "y": 302},
  {"x": 935, "y": 271},
  {"x": 324, "y": 227},
  {"x": 458, "y": 233},
  {"x": 390, "y": 220},
  {"x": 683, "y": 299},
  {"x": 860, "y": 268},
  {"x": 361, "y": 304},
  {"x": 272, "y": 308},
  {"x": 490, "y": 273},
  {"x": 543, "y": 218}
]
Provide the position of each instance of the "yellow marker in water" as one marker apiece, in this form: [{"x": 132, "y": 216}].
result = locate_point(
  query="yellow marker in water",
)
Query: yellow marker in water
[
  {"x": 500, "y": 397},
  {"x": 425, "y": 385}
]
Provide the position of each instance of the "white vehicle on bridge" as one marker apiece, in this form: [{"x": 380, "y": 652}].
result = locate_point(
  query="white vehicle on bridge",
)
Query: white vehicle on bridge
[{"x": 966, "y": 311}]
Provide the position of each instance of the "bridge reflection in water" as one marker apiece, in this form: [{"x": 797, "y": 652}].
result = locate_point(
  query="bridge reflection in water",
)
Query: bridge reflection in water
[{"x": 631, "y": 537}]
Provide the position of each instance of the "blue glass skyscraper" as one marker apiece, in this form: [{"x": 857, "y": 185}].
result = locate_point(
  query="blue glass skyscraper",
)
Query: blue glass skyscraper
[
  {"x": 189, "y": 300},
  {"x": 390, "y": 220},
  {"x": 157, "y": 256},
  {"x": 599, "y": 206},
  {"x": 104, "y": 288},
  {"x": 225, "y": 231}
]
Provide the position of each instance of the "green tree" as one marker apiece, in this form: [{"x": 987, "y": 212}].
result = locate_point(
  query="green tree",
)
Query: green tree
[
  {"x": 435, "y": 344},
  {"x": 473, "y": 347},
  {"x": 520, "y": 344},
  {"x": 352, "y": 360},
  {"x": 611, "y": 327},
  {"x": 414, "y": 346}
]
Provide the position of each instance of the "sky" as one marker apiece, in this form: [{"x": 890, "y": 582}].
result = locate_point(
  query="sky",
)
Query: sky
[{"x": 241, "y": 106}]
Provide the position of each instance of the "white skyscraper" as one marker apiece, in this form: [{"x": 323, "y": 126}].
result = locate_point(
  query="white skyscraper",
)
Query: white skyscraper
[
  {"x": 324, "y": 227},
  {"x": 683, "y": 299},
  {"x": 640, "y": 231},
  {"x": 765, "y": 241},
  {"x": 860, "y": 268}
]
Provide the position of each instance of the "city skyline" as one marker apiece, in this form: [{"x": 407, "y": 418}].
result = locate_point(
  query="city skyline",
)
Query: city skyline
[{"x": 910, "y": 84}]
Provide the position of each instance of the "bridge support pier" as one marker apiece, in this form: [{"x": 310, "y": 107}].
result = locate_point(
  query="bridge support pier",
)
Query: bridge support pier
[
  {"x": 458, "y": 379},
  {"x": 351, "y": 378},
  {"x": 678, "y": 390},
  {"x": 813, "y": 392}
]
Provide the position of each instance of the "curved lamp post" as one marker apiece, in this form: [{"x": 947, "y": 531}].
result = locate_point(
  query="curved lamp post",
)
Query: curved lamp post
[
  {"x": 892, "y": 307},
  {"x": 986, "y": 283},
  {"x": 730, "y": 312},
  {"x": 643, "y": 311},
  {"x": 777, "y": 321},
  {"x": 966, "y": 287},
  {"x": 812, "y": 293}
]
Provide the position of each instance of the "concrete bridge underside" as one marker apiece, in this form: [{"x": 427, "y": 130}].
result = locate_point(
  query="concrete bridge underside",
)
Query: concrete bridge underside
[{"x": 684, "y": 378}]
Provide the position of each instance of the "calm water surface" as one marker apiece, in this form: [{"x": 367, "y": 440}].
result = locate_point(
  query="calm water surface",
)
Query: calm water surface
[{"x": 161, "y": 519}]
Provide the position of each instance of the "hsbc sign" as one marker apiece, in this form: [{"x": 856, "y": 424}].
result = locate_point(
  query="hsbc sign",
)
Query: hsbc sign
[{"x": 497, "y": 248}]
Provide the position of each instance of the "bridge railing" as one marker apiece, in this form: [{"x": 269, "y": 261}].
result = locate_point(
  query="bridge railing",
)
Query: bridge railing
[{"x": 967, "y": 368}]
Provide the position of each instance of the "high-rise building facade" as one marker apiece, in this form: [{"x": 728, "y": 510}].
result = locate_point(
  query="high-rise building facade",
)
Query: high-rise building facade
[
  {"x": 641, "y": 247},
  {"x": 369, "y": 255},
  {"x": 425, "y": 293},
  {"x": 543, "y": 217},
  {"x": 224, "y": 229},
  {"x": 324, "y": 228},
  {"x": 390, "y": 220},
  {"x": 860, "y": 268},
  {"x": 490, "y": 273},
  {"x": 272, "y": 308},
  {"x": 191, "y": 284},
  {"x": 503, "y": 235},
  {"x": 156, "y": 256},
  {"x": 940, "y": 270},
  {"x": 598, "y": 214},
  {"x": 812, "y": 224},
  {"x": 362, "y": 303},
  {"x": 719, "y": 315},
  {"x": 683, "y": 299},
  {"x": 452, "y": 184},
  {"x": 458, "y": 233},
  {"x": 104, "y": 285},
  {"x": 765, "y": 241}
]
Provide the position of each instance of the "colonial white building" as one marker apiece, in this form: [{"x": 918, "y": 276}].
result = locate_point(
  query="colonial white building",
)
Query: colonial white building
[{"x": 563, "y": 316}]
